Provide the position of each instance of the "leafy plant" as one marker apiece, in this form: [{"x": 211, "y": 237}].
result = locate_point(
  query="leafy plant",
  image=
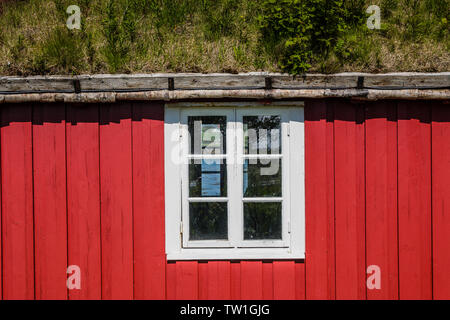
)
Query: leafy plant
[{"x": 307, "y": 29}]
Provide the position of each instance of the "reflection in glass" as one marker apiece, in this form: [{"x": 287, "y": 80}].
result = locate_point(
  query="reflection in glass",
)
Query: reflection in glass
[
  {"x": 208, "y": 179},
  {"x": 262, "y": 178},
  {"x": 207, "y": 134},
  {"x": 262, "y": 134},
  {"x": 208, "y": 221},
  {"x": 262, "y": 221}
]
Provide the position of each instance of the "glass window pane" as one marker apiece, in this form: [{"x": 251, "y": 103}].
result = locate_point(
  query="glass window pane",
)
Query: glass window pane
[
  {"x": 208, "y": 221},
  {"x": 262, "y": 178},
  {"x": 207, "y": 134},
  {"x": 262, "y": 134},
  {"x": 207, "y": 178},
  {"x": 262, "y": 221}
]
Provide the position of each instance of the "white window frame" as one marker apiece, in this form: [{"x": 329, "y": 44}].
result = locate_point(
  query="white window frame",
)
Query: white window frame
[{"x": 292, "y": 245}]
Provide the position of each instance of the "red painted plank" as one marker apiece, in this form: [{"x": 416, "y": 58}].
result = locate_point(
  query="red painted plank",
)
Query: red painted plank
[
  {"x": 1, "y": 254},
  {"x": 319, "y": 177},
  {"x": 219, "y": 280},
  {"x": 83, "y": 199},
  {"x": 50, "y": 215},
  {"x": 251, "y": 280},
  {"x": 235, "y": 269},
  {"x": 116, "y": 201},
  {"x": 187, "y": 280},
  {"x": 414, "y": 200},
  {"x": 349, "y": 203},
  {"x": 267, "y": 280},
  {"x": 284, "y": 280},
  {"x": 148, "y": 200},
  {"x": 171, "y": 281},
  {"x": 381, "y": 197},
  {"x": 17, "y": 202},
  {"x": 1, "y": 246},
  {"x": 203, "y": 284},
  {"x": 300, "y": 286},
  {"x": 441, "y": 201}
]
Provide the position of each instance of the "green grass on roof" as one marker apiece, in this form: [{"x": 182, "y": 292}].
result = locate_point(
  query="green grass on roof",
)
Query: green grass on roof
[{"x": 144, "y": 36}]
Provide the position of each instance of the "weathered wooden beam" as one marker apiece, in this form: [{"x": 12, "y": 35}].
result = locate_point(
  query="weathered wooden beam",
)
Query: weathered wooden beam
[
  {"x": 248, "y": 81},
  {"x": 276, "y": 94}
]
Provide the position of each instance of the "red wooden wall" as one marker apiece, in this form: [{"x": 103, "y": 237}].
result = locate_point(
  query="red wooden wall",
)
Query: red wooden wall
[{"x": 84, "y": 185}]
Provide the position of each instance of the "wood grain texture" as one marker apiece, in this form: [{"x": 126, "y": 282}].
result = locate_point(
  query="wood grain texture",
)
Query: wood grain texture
[
  {"x": 441, "y": 200},
  {"x": 116, "y": 201},
  {"x": 381, "y": 197},
  {"x": 148, "y": 201},
  {"x": 251, "y": 280},
  {"x": 218, "y": 280},
  {"x": 171, "y": 281},
  {"x": 235, "y": 270},
  {"x": 186, "y": 280},
  {"x": 183, "y": 81},
  {"x": 300, "y": 281},
  {"x": 83, "y": 185},
  {"x": 284, "y": 280},
  {"x": 319, "y": 192},
  {"x": 50, "y": 214},
  {"x": 268, "y": 280},
  {"x": 414, "y": 200},
  {"x": 83, "y": 199},
  {"x": 349, "y": 201},
  {"x": 17, "y": 202}
]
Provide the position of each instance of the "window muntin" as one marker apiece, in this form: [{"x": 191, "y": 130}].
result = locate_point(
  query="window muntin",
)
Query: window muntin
[{"x": 227, "y": 210}]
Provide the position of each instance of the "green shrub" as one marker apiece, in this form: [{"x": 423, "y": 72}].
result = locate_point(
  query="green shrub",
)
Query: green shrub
[{"x": 307, "y": 30}]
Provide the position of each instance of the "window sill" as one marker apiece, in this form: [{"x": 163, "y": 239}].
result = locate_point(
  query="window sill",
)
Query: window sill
[{"x": 235, "y": 254}]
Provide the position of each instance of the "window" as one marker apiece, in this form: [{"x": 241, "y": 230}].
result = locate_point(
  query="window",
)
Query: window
[{"x": 234, "y": 181}]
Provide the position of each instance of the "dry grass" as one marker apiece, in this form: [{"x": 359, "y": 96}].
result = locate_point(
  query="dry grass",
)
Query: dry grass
[{"x": 34, "y": 40}]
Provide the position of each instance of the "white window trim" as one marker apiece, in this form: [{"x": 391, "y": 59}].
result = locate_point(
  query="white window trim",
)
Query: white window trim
[{"x": 294, "y": 245}]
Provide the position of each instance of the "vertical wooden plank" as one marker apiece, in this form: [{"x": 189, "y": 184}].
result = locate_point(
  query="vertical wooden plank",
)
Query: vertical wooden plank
[
  {"x": 251, "y": 280},
  {"x": 148, "y": 200},
  {"x": 284, "y": 280},
  {"x": 381, "y": 196},
  {"x": 171, "y": 281},
  {"x": 1, "y": 237},
  {"x": 50, "y": 215},
  {"x": 267, "y": 274},
  {"x": 1, "y": 240},
  {"x": 219, "y": 280},
  {"x": 441, "y": 200},
  {"x": 414, "y": 200},
  {"x": 349, "y": 193},
  {"x": 187, "y": 280},
  {"x": 203, "y": 282},
  {"x": 300, "y": 285},
  {"x": 83, "y": 198},
  {"x": 17, "y": 202},
  {"x": 235, "y": 269},
  {"x": 319, "y": 177},
  {"x": 116, "y": 201}
]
